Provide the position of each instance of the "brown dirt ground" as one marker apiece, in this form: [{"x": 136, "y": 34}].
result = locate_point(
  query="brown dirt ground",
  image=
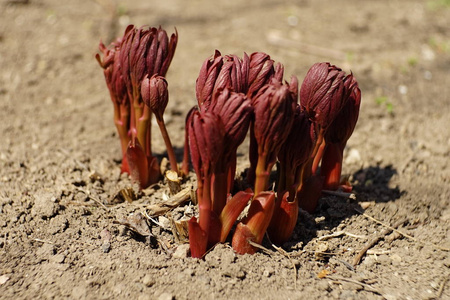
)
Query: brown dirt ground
[{"x": 57, "y": 241}]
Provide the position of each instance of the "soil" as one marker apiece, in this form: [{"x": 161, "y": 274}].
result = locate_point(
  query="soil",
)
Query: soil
[{"x": 66, "y": 231}]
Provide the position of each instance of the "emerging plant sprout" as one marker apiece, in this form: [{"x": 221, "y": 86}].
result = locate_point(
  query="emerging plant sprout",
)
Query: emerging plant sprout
[
  {"x": 234, "y": 94},
  {"x": 118, "y": 93},
  {"x": 337, "y": 136},
  {"x": 323, "y": 94},
  {"x": 274, "y": 108},
  {"x": 156, "y": 95},
  {"x": 139, "y": 54},
  {"x": 292, "y": 157},
  {"x": 216, "y": 217}
]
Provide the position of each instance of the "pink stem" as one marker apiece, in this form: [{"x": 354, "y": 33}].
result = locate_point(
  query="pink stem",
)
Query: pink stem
[
  {"x": 332, "y": 166},
  {"x": 170, "y": 152}
]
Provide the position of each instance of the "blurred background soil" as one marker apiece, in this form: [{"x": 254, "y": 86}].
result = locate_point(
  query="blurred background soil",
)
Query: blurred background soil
[{"x": 60, "y": 237}]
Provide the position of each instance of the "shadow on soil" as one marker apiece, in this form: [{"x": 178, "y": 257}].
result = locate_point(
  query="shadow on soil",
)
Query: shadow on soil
[{"x": 369, "y": 184}]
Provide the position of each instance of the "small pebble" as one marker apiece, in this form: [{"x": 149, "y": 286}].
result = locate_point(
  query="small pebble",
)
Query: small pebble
[
  {"x": 58, "y": 258},
  {"x": 165, "y": 296},
  {"x": 181, "y": 251},
  {"x": 148, "y": 281},
  {"x": 106, "y": 247}
]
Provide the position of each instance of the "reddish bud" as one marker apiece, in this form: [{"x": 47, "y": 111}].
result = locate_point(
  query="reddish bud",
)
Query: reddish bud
[
  {"x": 118, "y": 93},
  {"x": 345, "y": 122},
  {"x": 112, "y": 71},
  {"x": 261, "y": 72},
  {"x": 337, "y": 135},
  {"x": 206, "y": 136},
  {"x": 145, "y": 52},
  {"x": 236, "y": 112},
  {"x": 207, "y": 78},
  {"x": 322, "y": 93},
  {"x": 155, "y": 94},
  {"x": 220, "y": 72},
  {"x": 274, "y": 107}
]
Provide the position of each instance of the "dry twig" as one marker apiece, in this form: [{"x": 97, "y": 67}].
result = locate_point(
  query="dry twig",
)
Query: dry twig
[
  {"x": 441, "y": 288},
  {"x": 176, "y": 200},
  {"x": 44, "y": 241},
  {"x": 340, "y": 233},
  {"x": 340, "y": 194},
  {"x": 375, "y": 240},
  {"x": 88, "y": 194},
  {"x": 365, "y": 286},
  {"x": 402, "y": 233}
]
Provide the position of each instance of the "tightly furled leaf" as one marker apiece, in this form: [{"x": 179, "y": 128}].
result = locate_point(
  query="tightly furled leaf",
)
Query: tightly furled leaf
[
  {"x": 343, "y": 125},
  {"x": 146, "y": 51},
  {"x": 262, "y": 71},
  {"x": 206, "y": 81},
  {"x": 322, "y": 93},
  {"x": 220, "y": 72},
  {"x": 236, "y": 111},
  {"x": 274, "y": 107},
  {"x": 155, "y": 94},
  {"x": 337, "y": 135},
  {"x": 207, "y": 137},
  {"x": 299, "y": 144}
]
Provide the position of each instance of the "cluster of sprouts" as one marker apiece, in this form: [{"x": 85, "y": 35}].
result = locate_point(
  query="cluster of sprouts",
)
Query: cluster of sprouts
[{"x": 303, "y": 130}]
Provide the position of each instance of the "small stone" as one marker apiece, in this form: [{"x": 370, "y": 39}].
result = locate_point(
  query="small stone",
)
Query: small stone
[
  {"x": 369, "y": 261},
  {"x": 148, "y": 281},
  {"x": 181, "y": 251},
  {"x": 165, "y": 222},
  {"x": 46, "y": 250},
  {"x": 323, "y": 285},
  {"x": 165, "y": 296},
  {"x": 3, "y": 279},
  {"x": 390, "y": 297},
  {"x": 58, "y": 258},
  {"x": 106, "y": 247},
  {"x": 396, "y": 258},
  {"x": 384, "y": 260},
  {"x": 79, "y": 292},
  {"x": 105, "y": 235}
]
